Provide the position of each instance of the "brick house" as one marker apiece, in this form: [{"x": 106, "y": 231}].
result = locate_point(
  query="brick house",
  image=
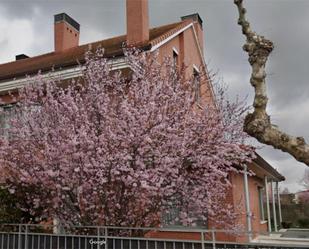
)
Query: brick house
[
  {"x": 302, "y": 197},
  {"x": 184, "y": 42}
]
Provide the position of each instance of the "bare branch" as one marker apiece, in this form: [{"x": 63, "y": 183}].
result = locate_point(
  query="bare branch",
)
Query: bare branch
[{"x": 258, "y": 123}]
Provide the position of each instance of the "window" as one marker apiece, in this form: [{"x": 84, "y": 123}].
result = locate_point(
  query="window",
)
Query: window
[
  {"x": 197, "y": 84},
  {"x": 172, "y": 214},
  {"x": 9, "y": 113},
  {"x": 261, "y": 203},
  {"x": 6, "y": 114},
  {"x": 175, "y": 59}
]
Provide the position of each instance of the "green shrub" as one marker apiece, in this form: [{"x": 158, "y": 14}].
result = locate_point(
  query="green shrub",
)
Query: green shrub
[{"x": 303, "y": 223}]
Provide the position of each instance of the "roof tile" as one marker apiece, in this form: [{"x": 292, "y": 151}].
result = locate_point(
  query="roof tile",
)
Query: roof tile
[{"x": 113, "y": 47}]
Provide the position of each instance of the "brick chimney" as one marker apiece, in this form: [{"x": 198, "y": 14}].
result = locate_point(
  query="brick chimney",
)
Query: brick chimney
[
  {"x": 198, "y": 26},
  {"x": 137, "y": 22},
  {"x": 66, "y": 32}
]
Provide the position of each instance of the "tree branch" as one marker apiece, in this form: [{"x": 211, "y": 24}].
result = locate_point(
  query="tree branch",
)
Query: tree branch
[{"x": 258, "y": 123}]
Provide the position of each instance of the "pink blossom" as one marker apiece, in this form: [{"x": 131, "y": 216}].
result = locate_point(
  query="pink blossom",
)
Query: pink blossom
[{"x": 109, "y": 150}]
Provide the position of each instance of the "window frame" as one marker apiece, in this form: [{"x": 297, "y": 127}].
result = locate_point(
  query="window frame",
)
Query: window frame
[
  {"x": 197, "y": 84},
  {"x": 261, "y": 190},
  {"x": 7, "y": 113},
  {"x": 175, "y": 58}
]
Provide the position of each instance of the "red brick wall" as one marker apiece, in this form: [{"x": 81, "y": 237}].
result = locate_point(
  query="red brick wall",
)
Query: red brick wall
[
  {"x": 189, "y": 56},
  {"x": 137, "y": 21},
  {"x": 235, "y": 196},
  {"x": 65, "y": 36},
  {"x": 239, "y": 202},
  {"x": 173, "y": 235}
]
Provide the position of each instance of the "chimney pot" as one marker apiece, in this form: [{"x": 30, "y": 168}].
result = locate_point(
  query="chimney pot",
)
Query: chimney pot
[
  {"x": 21, "y": 57},
  {"x": 195, "y": 17}
]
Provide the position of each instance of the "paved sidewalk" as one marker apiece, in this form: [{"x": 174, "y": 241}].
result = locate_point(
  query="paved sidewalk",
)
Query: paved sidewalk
[
  {"x": 296, "y": 237},
  {"x": 296, "y": 233}
]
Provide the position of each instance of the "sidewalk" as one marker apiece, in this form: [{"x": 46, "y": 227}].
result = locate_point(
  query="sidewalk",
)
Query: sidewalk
[{"x": 286, "y": 237}]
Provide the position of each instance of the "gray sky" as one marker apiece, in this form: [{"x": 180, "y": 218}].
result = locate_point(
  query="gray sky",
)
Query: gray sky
[{"x": 26, "y": 26}]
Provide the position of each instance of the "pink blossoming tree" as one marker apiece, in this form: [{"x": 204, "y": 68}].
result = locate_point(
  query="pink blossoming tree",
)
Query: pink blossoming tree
[{"x": 112, "y": 150}]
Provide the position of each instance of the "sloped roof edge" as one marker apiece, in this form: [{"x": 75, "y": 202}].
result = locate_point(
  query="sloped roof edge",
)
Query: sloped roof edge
[
  {"x": 260, "y": 161},
  {"x": 71, "y": 57}
]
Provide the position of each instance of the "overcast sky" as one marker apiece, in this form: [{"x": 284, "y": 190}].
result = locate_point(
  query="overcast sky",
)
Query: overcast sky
[{"x": 26, "y": 26}]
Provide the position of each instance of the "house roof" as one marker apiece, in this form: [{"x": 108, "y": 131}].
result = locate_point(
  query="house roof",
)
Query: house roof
[
  {"x": 303, "y": 192},
  {"x": 268, "y": 169},
  {"x": 113, "y": 47}
]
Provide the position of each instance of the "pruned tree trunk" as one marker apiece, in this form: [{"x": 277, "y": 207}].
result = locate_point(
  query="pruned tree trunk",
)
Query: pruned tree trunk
[{"x": 258, "y": 123}]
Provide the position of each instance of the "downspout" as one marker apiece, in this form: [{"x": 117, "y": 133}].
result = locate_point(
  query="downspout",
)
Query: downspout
[
  {"x": 279, "y": 203},
  {"x": 247, "y": 200},
  {"x": 267, "y": 204},
  {"x": 274, "y": 206}
]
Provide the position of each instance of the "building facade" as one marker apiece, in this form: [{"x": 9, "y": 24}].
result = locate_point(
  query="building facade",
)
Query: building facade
[{"x": 182, "y": 41}]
